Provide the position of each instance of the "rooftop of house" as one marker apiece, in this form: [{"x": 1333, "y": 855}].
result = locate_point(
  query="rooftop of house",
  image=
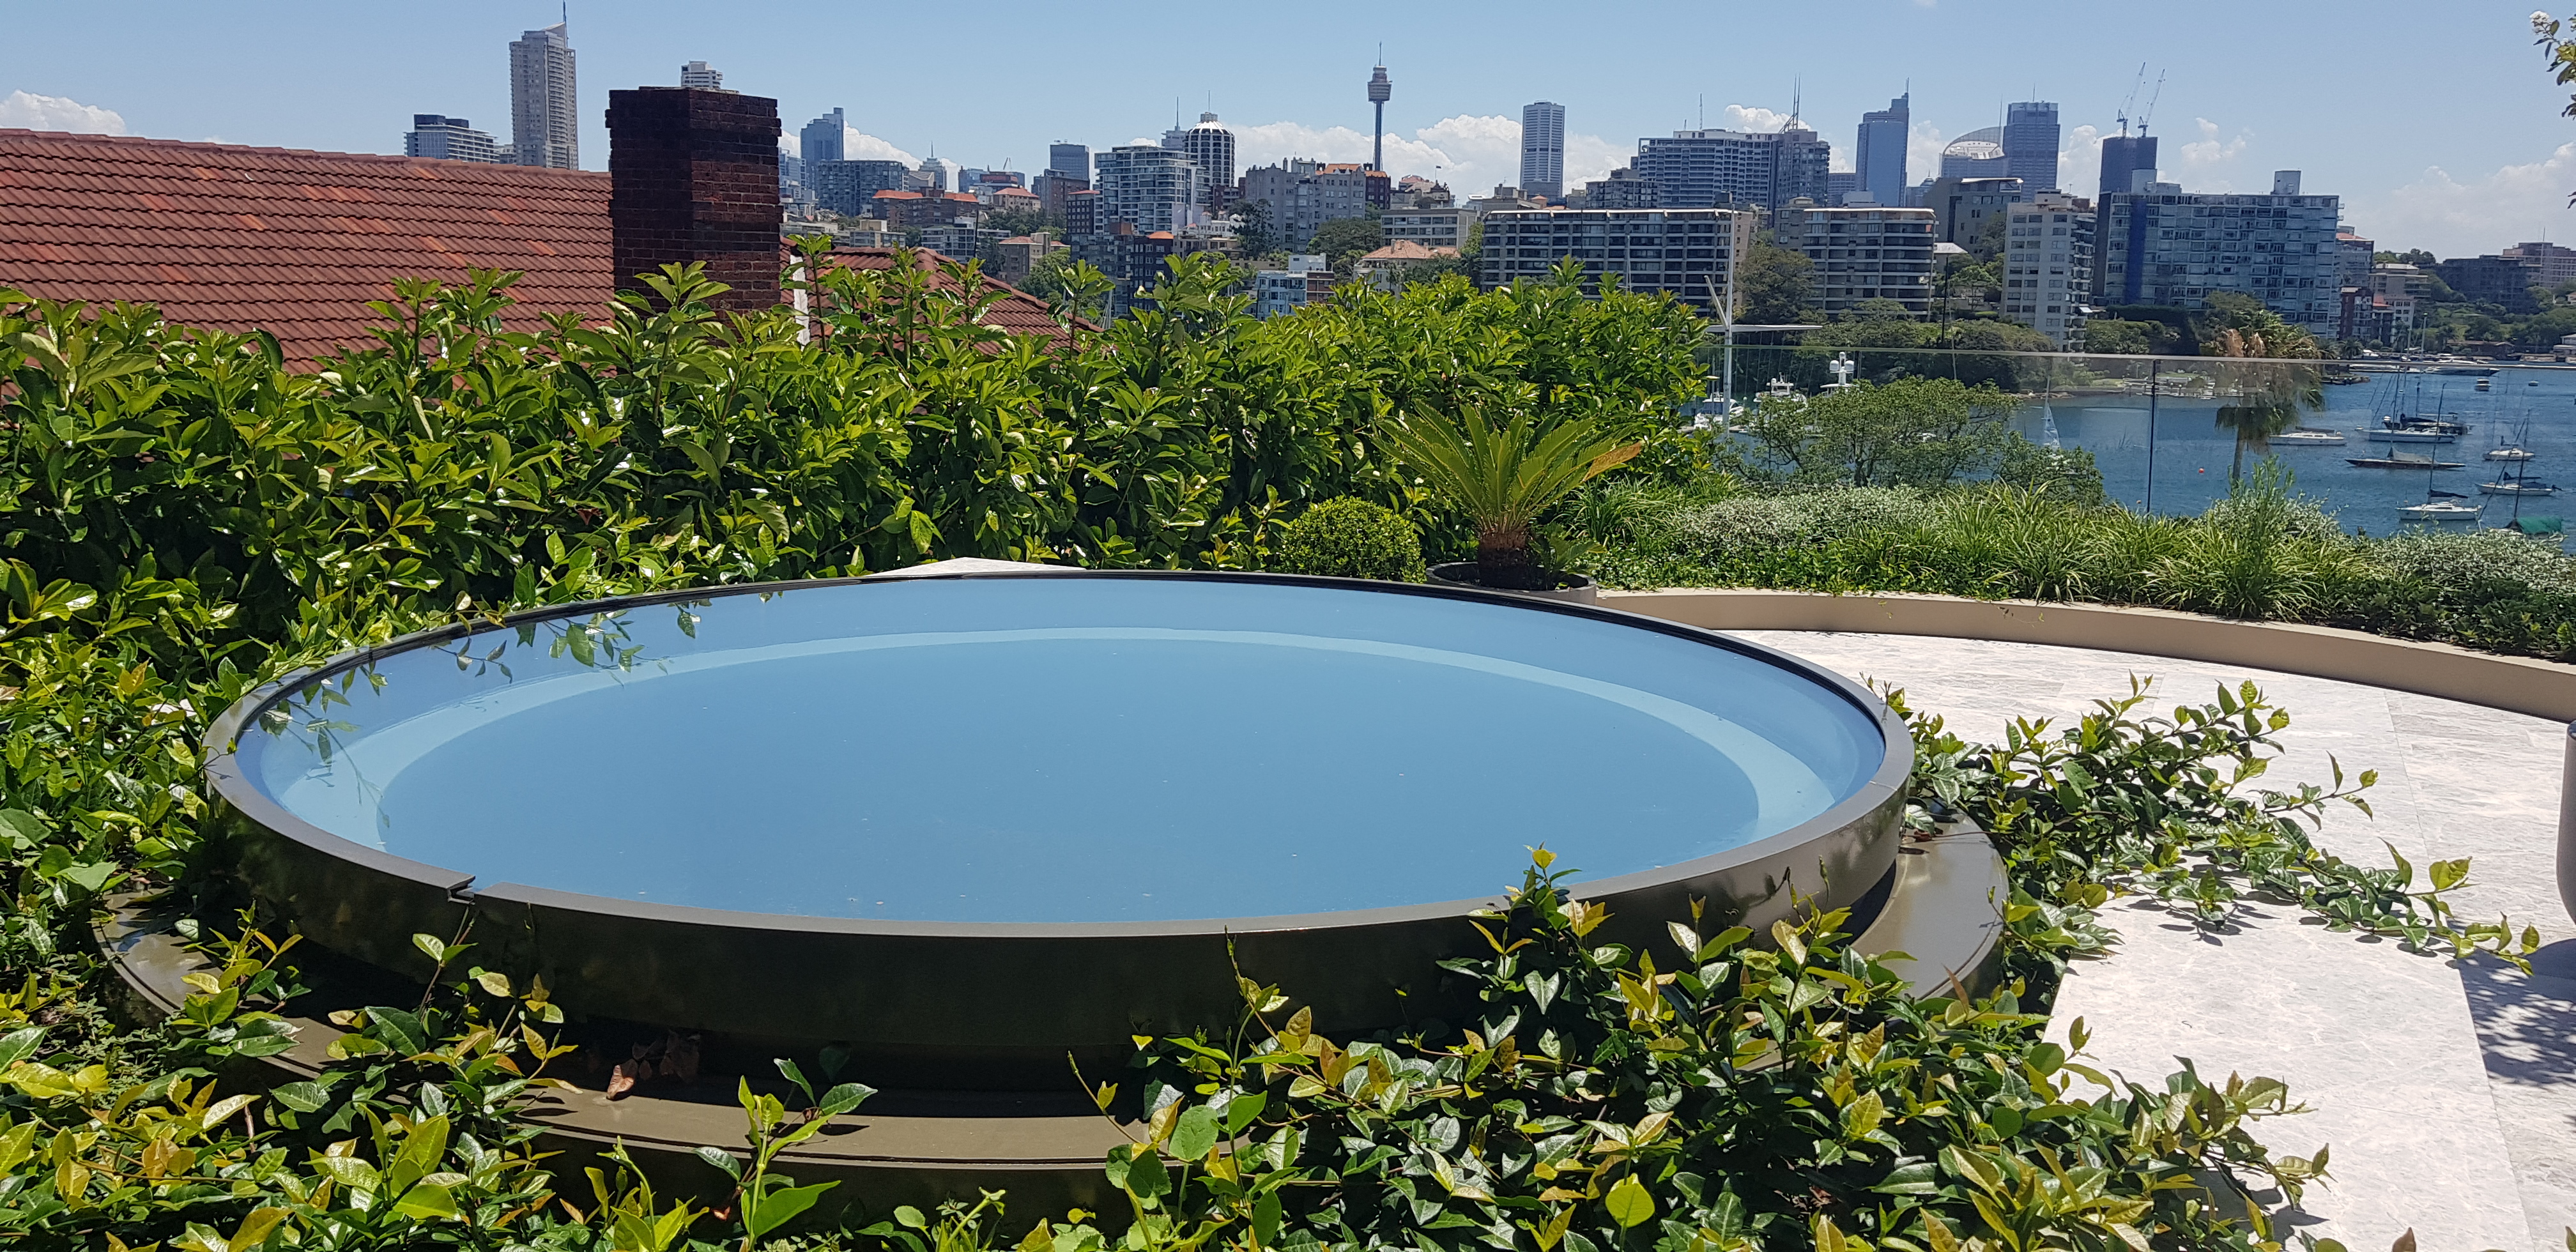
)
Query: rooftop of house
[
  {"x": 1403, "y": 250},
  {"x": 298, "y": 243},
  {"x": 288, "y": 241}
]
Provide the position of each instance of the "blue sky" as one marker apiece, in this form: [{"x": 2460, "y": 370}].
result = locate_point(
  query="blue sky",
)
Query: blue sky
[{"x": 2433, "y": 120}]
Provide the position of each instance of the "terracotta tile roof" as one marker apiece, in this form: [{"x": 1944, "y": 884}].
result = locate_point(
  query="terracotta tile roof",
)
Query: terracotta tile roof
[
  {"x": 1017, "y": 311},
  {"x": 898, "y": 195},
  {"x": 289, "y": 241},
  {"x": 1406, "y": 250}
]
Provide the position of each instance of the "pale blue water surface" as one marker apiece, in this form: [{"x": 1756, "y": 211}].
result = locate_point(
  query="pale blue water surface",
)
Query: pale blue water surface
[{"x": 1073, "y": 749}]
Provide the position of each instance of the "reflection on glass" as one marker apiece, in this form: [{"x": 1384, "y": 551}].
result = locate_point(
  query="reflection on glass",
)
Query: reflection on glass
[
  {"x": 1058, "y": 750},
  {"x": 2169, "y": 432}
]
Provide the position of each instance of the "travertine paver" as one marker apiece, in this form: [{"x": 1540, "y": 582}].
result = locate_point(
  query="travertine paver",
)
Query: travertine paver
[{"x": 2447, "y": 1092}]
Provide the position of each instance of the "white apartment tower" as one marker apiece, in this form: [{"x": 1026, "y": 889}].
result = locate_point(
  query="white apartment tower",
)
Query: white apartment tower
[
  {"x": 448, "y": 139},
  {"x": 1543, "y": 150},
  {"x": 702, "y": 75},
  {"x": 545, "y": 111},
  {"x": 1151, "y": 187},
  {"x": 1210, "y": 146},
  {"x": 2048, "y": 264}
]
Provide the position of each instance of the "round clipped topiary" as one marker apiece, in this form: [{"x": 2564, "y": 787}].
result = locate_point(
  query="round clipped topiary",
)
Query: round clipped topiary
[{"x": 1352, "y": 538}]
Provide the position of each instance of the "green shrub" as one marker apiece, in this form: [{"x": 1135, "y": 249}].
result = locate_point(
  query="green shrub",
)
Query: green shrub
[
  {"x": 1801, "y": 519},
  {"x": 2062, "y": 473},
  {"x": 1352, "y": 538}
]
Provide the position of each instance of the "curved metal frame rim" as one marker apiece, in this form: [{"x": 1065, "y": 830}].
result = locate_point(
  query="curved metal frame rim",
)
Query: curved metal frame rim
[{"x": 1895, "y": 764}]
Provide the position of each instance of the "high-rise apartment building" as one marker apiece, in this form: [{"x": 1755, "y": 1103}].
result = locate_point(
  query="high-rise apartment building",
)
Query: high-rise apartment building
[
  {"x": 1965, "y": 209},
  {"x": 1210, "y": 146},
  {"x": 1543, "y": 149},
  {"x": 2169, "y": 247},
  {"x": 1696, "y": 169},
  {"x": 2503, "y": 281},
  {"x": 1437, "y": 227},
  {"x": 933, "y": 174},
  {"x": 1330, "y": 194},
  {"x": 821, "y": 139},
  {"x": 2354, "y": 256},
  {"x": 448, "y": 139},
  {"x": 545, "y": 110},
  {"x": 2030, "y": 144},
  {"x": 1301, "y": 195},
  {"x": 1623, "y": 189},
  {"x": 1274, "y": 188},
  {"x": 1862, "y": 252},
  {"x": 1878, "y": 159},
  {"x": 2557, "y": 263},
  {"x": 701, "y": 75},
  {"x": 1053, "y": 187},
  {"x": 1148, "y": 186},
  {"x": 2048, "y": 264},
  {"x": 1081, "y": 212},
  {"x": 849, "y": 188},
  {"x": 1689, "y": 254},
  {"x": 2124, "y": 157}
]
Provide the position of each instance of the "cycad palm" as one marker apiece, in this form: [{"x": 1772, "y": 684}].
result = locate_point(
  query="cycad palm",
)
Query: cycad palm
[{"x": 1504, "y": 476}]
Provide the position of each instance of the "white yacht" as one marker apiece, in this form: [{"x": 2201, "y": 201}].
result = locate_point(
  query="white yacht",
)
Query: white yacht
[
  {"x": 2518, "y": 487},
  {"x": 2413, "y": 434},
  {"x": 2308, "y": 436},
  {"x": 2510, "y": 454},
  {"x": 2440, "y": 511}
]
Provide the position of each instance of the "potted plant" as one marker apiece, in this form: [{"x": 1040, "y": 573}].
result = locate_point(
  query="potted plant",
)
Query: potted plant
[{"x": 1503, "y": 475}]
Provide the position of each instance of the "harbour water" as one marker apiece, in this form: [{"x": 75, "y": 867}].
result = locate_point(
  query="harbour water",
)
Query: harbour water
[{"x": 2191, "y": 453}]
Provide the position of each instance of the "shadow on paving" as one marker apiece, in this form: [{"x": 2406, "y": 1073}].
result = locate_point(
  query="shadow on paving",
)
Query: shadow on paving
[{"x": 2527, "y": 1024}]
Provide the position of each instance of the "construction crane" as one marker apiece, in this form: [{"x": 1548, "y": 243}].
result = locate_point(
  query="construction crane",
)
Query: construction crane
[
  {"x": 2156, "y": 95},
  {"x": 2135, "y": 86}
]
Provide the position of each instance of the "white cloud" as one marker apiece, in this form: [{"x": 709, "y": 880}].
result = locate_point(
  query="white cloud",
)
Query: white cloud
[
  {"x": 1588, "y": 157},
  {"x": 25, "y": 110},
  {"x": 2079, "y": 162},
  {"x": 858, "y": 145},
  {"x": 1748, "y": 118},
  {"x": 1471, "y": 153},
  {"x": 2205, "y": 162},
  {"x": 2454, "y": 218},
  {"x": 1923, "y": 145}
]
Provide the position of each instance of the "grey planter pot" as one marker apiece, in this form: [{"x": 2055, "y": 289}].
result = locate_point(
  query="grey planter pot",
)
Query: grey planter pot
[{"x": 1572, "y": 588}]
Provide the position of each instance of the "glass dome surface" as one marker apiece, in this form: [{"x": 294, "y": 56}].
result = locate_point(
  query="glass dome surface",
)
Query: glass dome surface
[{"x": 1070, "y": 749}]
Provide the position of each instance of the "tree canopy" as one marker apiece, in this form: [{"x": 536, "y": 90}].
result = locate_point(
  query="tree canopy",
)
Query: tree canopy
[
  {"x": 1910, "y": 432},
  {"x": 1345, "y": 241},
  {"x": 1774, "y": 286}
]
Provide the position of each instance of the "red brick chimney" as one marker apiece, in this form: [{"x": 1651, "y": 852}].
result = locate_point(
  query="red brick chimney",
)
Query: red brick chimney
[{"x": 694, "y": 177}]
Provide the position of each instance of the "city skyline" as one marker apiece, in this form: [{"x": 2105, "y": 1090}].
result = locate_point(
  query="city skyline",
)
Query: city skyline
[{"x": 2274, "y": 92}]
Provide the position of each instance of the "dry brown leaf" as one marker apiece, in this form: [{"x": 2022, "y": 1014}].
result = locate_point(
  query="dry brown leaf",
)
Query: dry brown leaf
[{"x": 622, "y": 1079}]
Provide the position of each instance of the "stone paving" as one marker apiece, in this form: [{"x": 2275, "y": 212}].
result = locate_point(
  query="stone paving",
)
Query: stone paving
[{"x": 2447, "y": 1090}]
